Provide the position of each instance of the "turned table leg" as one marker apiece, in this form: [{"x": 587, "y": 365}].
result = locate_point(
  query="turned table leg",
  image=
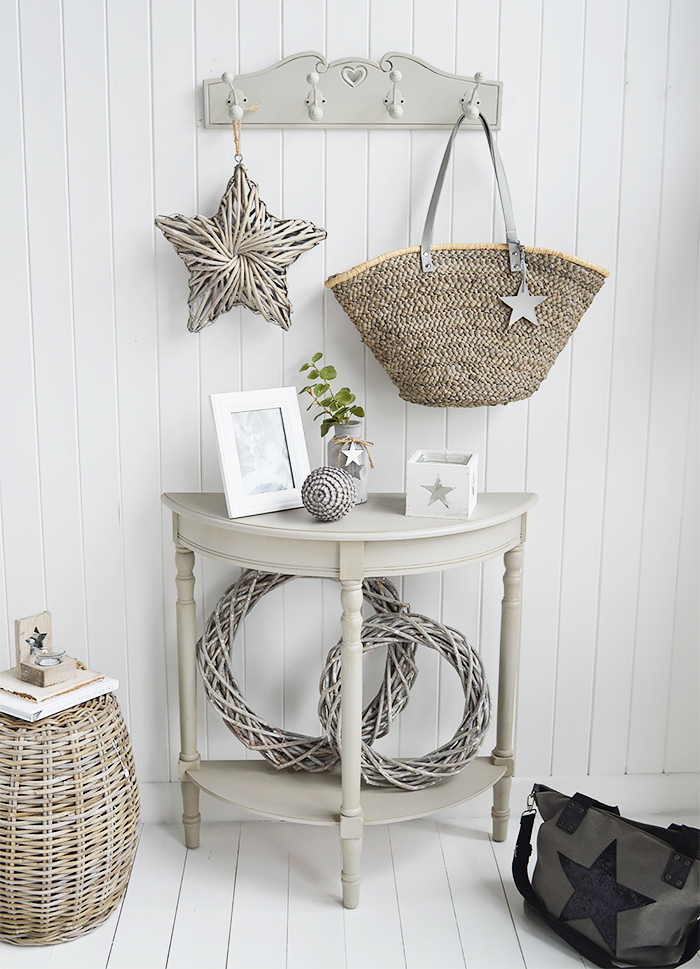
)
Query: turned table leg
[
  {"x": 351, "y": 739},
  {"x": 507, "y": 673},
  {"x": 187, "y": 684}
]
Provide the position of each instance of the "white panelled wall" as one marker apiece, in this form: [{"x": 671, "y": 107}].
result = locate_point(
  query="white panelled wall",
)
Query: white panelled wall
[{"x": 104, "y": 392}]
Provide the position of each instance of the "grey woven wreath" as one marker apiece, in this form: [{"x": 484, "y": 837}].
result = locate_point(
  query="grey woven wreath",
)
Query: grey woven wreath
[
  {"x": 409, "y": 629},
  {"x": 284, "y": 748}
]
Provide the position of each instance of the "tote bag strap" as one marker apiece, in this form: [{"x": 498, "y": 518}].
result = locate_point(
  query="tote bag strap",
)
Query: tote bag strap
[{"x": 514, "y": 247}]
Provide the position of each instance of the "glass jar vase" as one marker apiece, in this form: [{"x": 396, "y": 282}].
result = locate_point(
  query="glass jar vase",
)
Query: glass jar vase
[{"x": 343, "y": 451}]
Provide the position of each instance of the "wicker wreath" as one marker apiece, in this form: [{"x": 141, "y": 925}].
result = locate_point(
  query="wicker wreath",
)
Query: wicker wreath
[
  {"x": 407, "y": 629},
  {"x": 283, "y": 748}
]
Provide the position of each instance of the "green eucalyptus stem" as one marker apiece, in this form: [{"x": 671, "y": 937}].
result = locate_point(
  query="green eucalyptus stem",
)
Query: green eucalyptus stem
[
  {"x": 318, "y": 401},
  {"x": 339, "y": 406}
]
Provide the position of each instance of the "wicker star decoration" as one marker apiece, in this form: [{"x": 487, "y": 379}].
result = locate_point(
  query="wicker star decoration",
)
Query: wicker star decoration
[{"x": 240, "y": 255}]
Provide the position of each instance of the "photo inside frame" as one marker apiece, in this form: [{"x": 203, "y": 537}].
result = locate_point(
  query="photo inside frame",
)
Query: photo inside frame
[{"x": 263, "y": 455}]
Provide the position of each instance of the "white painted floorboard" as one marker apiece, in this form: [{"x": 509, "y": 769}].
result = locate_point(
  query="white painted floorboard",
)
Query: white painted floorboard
[{"x": 266, "y": 895}]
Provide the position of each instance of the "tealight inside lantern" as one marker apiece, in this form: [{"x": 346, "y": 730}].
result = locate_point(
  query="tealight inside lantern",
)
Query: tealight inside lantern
[{"x": 441, "y": 484}]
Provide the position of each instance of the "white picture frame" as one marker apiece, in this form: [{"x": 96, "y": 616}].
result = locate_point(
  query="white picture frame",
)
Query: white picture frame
[{"x": 262, "y": 449}]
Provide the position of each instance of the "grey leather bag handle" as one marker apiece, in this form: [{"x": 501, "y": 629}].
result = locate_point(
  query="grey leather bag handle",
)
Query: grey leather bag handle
[{"x": 514, "y": 246}]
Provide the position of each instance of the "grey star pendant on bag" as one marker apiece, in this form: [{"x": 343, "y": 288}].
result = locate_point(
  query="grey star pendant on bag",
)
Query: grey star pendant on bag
[
  {"x": 240, "y": 256},
  {"x": 523, "y": 304}
]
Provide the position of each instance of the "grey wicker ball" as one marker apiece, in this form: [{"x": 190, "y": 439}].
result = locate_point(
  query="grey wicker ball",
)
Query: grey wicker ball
[{"x": 328, "y": 493}]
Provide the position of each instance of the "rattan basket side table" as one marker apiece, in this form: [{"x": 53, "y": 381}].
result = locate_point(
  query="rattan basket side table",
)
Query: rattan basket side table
[{"x": 69, "y": 821}]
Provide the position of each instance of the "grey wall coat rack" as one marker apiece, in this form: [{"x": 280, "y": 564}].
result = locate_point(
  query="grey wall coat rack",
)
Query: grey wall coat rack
[{"x": 306, "y": 91}]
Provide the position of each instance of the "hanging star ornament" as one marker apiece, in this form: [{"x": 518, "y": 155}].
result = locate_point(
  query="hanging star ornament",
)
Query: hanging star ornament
[
  {"x": 438, "y": 492},
  {"x": 598, "y": 895},
  {"x": 523, "y": 303},
  {"x": 240, "y": 256},
  {"x": 352, "y": 453}
]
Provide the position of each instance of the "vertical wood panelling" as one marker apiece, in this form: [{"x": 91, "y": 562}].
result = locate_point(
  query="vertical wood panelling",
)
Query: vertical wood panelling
[
  {"x": 105, "y": 394},
  {"x": 635, "y": 286},
  {"x": 174, "y": 136},
  {"x": 683, "y": 729},
  {"x": 601, "y": 124},
  {"x": 555, "y": 225},
  {"x": 129, "y": 60},
  {"x": 52, "y": 323},
  {"x": 20, "y": 484},
  {"x": 671, "y": 373},
  {"x": 94, "y": 326}
]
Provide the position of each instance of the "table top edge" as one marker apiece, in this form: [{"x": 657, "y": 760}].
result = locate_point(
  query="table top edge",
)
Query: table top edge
[{"x": 190, "y": 505}]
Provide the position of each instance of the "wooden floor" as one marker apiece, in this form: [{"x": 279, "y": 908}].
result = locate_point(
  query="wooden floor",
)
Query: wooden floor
[{"x": 265, "y": 895}]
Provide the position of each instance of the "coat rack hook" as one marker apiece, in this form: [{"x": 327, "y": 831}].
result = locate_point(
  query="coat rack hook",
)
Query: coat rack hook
[
  {"x": 314, "y": 99},
  {"x": 394, "y": 100},
  {"x": 471, "y": 109},
  {"x": 235, "y": 110}
]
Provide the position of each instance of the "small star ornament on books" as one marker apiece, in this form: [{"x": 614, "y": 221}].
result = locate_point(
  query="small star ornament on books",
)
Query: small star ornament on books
[{"x": 240, "y": 256}]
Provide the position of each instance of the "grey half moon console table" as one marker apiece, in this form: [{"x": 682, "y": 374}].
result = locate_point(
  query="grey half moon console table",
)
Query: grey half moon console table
[{"x": 375, "y": 539}]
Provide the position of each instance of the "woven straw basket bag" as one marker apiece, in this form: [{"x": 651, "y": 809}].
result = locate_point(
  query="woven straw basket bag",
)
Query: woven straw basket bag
[{"x": 436, "y": 317}]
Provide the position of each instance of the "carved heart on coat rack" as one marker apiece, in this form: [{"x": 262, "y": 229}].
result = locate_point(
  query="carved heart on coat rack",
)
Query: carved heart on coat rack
[{"x": 354, "y": 76}]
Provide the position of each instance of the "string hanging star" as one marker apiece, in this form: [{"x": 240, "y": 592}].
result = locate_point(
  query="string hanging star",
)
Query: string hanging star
[
  {"x": 352, "y": 453},
  {"x": 598, "y": 895},
  {"x": 522, "y": 304},
  {"x": 240, "y": 256},
  {"x": 438, "y": 492}
]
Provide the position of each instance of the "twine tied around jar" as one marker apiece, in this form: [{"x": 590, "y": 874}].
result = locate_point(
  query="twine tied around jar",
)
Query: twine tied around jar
[{"x": 353, "y": 440}]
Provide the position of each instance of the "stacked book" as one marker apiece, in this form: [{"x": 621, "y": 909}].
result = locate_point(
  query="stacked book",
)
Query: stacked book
[{"x": 30, "y": 702}]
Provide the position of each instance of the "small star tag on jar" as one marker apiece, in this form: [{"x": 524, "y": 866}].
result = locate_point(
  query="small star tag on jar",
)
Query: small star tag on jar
[{"x": 353, "y": 454}]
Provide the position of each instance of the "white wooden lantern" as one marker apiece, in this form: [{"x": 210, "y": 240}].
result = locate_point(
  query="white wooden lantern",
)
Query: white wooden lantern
[{"x": 441, "y": 484}]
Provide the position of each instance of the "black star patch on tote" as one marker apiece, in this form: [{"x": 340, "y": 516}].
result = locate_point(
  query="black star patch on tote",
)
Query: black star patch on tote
[{"x": 598, "y": 895}]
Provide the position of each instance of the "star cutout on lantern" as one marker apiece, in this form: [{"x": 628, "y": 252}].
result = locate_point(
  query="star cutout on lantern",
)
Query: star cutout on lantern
[
  {"x": 239, "y": 256},
  {"x": 598, "y": 895},
  {"x": 352, "y": 453},
  {"x": 438, "y": 491},
  {"x": 522, "y": 304}
]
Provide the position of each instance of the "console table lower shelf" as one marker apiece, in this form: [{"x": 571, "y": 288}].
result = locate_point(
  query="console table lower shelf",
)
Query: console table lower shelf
[{"x": 315, "y": 798}]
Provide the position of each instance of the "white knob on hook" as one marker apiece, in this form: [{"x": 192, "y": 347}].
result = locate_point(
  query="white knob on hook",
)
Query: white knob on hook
[
  {"x": 314, "y": 99},
  {"x": 472, "y": 109},
  {"x": 394, "y": 100},
  {"x": 235, "y": 111}
]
